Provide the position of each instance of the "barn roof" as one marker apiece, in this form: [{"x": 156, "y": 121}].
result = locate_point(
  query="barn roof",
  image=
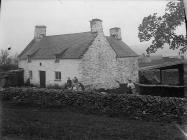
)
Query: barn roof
[
  {"x": 166, "y": 65},
  {"x": 70, "y": 46}
]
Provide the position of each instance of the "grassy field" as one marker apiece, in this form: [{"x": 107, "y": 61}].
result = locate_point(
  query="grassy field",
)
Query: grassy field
[{"x": 30, "y": 123}]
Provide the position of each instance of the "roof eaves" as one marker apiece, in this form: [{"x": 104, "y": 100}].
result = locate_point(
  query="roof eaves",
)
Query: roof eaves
[{"x": 127, "y": 56}]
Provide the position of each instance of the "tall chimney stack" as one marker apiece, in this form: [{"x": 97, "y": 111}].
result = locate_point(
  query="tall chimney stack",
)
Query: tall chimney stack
[
  {"x": 116, "y": 33},
  {"x": 96, "y": 26},
  {"x": 40, "y": 32}
]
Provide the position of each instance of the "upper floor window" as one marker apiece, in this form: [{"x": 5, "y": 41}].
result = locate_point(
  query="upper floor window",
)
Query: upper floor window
[
  {"x": 57, "y": 75},
  {"x": 57, "y": 58},
  {"x": 28, "y": 58},
  {"x": 30, "y": 74}
]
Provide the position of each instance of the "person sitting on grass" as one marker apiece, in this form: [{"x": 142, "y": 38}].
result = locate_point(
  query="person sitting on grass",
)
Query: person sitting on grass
[{"x": 131, "y": 87}]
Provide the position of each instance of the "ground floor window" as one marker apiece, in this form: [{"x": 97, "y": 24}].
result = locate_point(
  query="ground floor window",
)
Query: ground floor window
[
  {"x": 30, "y": 74},
  {"x": 57, "y": 75}
]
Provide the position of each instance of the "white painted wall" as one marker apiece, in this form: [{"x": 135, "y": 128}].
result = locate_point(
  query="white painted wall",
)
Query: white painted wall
[{"x": 67, "y": 67}]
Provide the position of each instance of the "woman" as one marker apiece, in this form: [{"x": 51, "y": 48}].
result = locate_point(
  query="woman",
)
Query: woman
[{"x": 131, "y": 87}]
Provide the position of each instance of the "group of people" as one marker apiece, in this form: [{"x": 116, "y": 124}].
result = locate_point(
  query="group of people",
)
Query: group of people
[{"x": 74, "y": 84}]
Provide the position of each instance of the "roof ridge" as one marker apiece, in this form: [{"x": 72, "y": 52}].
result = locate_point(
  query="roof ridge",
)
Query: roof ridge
[{"x": 68, "y": 34}]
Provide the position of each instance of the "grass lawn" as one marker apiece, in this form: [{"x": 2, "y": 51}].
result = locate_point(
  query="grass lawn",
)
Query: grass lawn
[{"x": 31, "y": 123}]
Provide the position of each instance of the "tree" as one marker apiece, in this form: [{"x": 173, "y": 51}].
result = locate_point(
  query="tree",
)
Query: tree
[
  {"x": 4, "y": 57},
  {"x": 14, "y": 59},
  {"x": 161, "y": 29}
]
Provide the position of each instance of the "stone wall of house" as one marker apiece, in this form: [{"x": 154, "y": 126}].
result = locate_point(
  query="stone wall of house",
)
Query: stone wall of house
[
  {"x": 67, "y": 67},
  {"x": 101, "y": 69},
  {"x": 99, "y": 65},
  {"x": 127, "y": 69}
]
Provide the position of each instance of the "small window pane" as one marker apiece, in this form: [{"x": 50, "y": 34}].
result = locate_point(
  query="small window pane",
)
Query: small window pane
[
  {"x": 57, "y": 59},
  {"x": 57, "y": 75},
  {"x": 28, "y": 59}
]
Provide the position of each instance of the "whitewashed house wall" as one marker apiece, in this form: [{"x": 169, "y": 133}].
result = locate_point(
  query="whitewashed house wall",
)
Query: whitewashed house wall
[{"x": 67, "y": 67}]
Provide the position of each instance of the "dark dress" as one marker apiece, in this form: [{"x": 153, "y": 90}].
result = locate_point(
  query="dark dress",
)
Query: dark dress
[{"x": 69, "y": 84}]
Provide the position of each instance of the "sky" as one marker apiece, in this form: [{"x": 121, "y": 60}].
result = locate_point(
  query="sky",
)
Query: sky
[{"x": 18, "y": 18}]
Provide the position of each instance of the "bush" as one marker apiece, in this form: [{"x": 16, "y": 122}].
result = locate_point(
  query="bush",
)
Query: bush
[
  {"x": 56, "y": 86},
  {"x": 153, "y": 108}
]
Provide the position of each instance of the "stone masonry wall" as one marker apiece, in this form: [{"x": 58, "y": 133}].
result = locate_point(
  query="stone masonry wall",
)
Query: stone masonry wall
[
  {"x": 99, "y": 65},
  {"x": 101, "y": 69},
  {"x": 127, "y": 69}
]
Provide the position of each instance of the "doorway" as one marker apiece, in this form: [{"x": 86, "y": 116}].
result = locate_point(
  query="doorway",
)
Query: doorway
[{"x": 42, "y": 79}]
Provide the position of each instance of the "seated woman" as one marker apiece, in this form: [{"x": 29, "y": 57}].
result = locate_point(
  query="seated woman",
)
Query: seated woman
[
  {"x": 131, "y": 87},
  {"x": 69, "y": 84}
]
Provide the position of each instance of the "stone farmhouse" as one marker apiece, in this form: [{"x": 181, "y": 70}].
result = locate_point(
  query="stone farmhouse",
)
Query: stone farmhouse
[{"x": 97, "y": 60}]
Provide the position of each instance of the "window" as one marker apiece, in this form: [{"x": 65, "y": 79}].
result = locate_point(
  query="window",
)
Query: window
[
  {"x": 57, "y": 75},
  {"x": 28, "y": 58},
  {"x": 57, "y": 58},
  {"x": 30, "y": 74}
]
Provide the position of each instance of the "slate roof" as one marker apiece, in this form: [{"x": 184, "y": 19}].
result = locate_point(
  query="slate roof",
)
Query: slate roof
[
  {"x": 121, "y": 49},
  {"x": 70, "y": 46}
]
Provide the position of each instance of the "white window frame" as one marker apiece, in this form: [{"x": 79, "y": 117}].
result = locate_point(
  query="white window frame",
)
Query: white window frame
[{"x": 58, "y": 76}]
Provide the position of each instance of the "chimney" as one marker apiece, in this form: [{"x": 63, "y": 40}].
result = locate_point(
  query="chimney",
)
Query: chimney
[
  {"x": 96, "y": 26},
  {"x": 40, "y": 32},
  {"x": 116, "y": 33}
]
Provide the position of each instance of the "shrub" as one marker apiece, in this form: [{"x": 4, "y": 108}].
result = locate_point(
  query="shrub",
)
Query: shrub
[
  {"x": 56, "y": 86},
  {"x": 146, "y": 107}
]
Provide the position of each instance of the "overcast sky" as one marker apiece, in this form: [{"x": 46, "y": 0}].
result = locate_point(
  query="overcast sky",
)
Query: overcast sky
[{"x": 18, "y": 18}]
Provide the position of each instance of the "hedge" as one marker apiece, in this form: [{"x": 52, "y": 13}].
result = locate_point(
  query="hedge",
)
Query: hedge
[{"x": 143, "y": 107}]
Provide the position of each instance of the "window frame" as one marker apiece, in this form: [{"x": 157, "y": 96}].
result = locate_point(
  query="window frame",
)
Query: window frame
[
  {"x": 57, "y": 58},
  {"x": 58, "y": 76},
  {"x": 28, "y": 58}
]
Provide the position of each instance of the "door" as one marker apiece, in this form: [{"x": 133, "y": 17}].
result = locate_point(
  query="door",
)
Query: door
[{"x": 42, "y": 79}]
